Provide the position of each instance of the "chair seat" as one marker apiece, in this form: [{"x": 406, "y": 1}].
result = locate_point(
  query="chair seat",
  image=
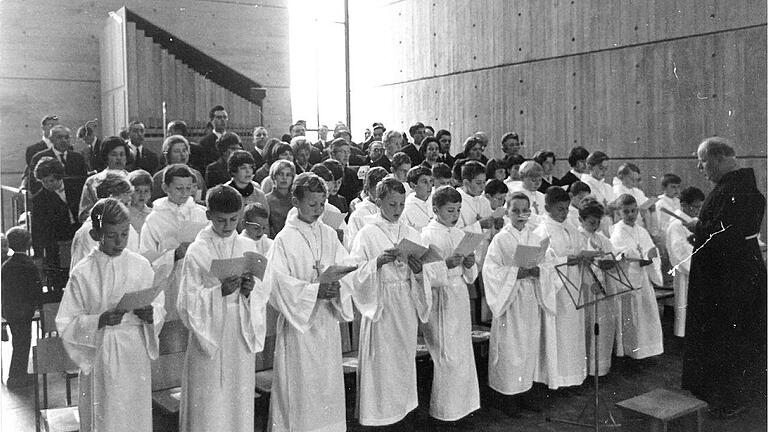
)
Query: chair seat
[
  {"x": 169, "y": 399},
  {"x": 663, "y": 405},
  {"x": 264, "y": 380},
  {"x": 61, "y": 419}
]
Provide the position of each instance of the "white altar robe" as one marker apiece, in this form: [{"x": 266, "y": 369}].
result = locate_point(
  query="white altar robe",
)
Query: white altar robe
[
  {"x": 604, "y": 194},
  {"x": 517, "y": 314},
  {"x": 218, "y": 382},
  {"x": 608, "y": 310},
  {"x": 680, "y": 251},
  {"x": 663, "y": 219},
  {"x": 160, "y": 235},
  {"x": 536, "y": 201},
  {"x": 641, "y": 325},
  {"x": 417, "y": 213},
  {"x": 308, "y": 385},
  {"x": 114, "y": 362},
  {"x": 261, "y": 245},
  {"x": 83, "y": 243},
  {"x": 448, "y": 333},
  {"x": 473, "y": 208},
  {"x": 564, "y": 353},
  {"x": 619, "y": 189},
  {"x": 391, "y": 300},
  {"x": 358, "y": 219}
]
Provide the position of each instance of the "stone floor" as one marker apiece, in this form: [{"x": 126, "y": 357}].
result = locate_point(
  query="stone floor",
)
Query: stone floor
[{"x": 627, "y": 379}]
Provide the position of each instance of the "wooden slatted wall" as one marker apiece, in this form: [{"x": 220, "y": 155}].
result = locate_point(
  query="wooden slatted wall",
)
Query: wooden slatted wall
[{"x": 642, "y": 80}]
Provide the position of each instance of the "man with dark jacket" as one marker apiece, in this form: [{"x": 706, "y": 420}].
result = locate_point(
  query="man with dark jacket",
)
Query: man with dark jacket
[
  {"x": 140, "y": 157},
  {"x": 219, "y": 119},
  {"x": 75, "y": 167}
]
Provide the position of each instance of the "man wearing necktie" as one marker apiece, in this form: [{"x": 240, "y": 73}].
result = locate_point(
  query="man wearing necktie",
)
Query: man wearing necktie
[{"x": 75, "y": 167}]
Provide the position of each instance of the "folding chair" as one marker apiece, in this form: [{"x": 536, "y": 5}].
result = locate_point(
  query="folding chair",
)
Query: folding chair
[
  {"x": 48, "y": 357},
  {"x": 264, "y": 363},
  {"x": 48, "y": 328},
  {"x": 166, "y": 370}
]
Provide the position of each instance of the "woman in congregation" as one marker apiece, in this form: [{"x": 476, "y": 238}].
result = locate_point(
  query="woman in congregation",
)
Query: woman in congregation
[
  {"x": 279, "y": 151},
  {"x": 176, "y": 151},
  {"x": 114, "y": 152},
  {"x": 430, "y": 151}
]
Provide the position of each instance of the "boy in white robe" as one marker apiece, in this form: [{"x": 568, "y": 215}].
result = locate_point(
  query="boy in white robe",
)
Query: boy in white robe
[
  {"x": 308, "y": 385},
  {"x": 564, "y": 350},
  {"x": 578, "y": 190},
  {"x": 448, "y": 333},
  {"x": 112, "y": 348},
  {"x": 627, "y": 181},
  {"x": 597, "y": 166},
  {"x": 495, "y": 192},
  {"x": 670, "y": 199},
  {"x": 476, "y": 213},
  {"x": 393, "y": 294},
  {"x": 531, "y": 175},
  {"x": 609, "y": 317},
  {"x": 226, "y": 321},
  {"x": 115, "y": 185},
  {"x": 418, "y": 210},
  {"x": 512, "y": 294},
  {"x": 367, "y": 207},
  {"x": 641, "y": 325},
  {"x": 256, "y": 226},
  {"x": 172, "y": 216},
  {"x": 680, "y": 250}
]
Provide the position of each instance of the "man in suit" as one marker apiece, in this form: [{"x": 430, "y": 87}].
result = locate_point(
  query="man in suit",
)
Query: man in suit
[
  {"x": 322, "y": 140},
  {"x": 376, "y": 156},
  {"x": 219, "y": 119},
  {"x": 46, "y": 124},
  {"x": 412, "y": 150},
  {"x": 75, "y": 168},
  {"x": 300, "y": 129},
  {"x": 91, "y": 150},
  {"x": 260, "y": 137},
  {"x": 140, "y": 157},
  {"x": 577, "y": 159}
]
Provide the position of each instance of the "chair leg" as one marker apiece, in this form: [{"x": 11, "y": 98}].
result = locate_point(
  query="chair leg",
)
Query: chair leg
[
  {"x": 69, "y": 389},
  {"x": 45, "y": 391},
  {"x": 37, "y": 404}
]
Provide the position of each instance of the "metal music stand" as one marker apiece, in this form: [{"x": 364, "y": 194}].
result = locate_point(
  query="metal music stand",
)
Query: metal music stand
[{"x": 590, "y": 290}]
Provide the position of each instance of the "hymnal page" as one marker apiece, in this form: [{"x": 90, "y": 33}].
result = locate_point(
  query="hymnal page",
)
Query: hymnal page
[
  {"x": 527, "y": 256},
  {"x": 333, "y": 219},
  {"x": 138, "y": 299},
  {"x": 335, "y": 273},
  {"x": 251, "y": 262},
  {"x": 468, "y": 244}
]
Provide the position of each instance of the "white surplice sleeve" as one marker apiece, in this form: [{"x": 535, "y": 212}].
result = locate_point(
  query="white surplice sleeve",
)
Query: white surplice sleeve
[
  {"x": 499, "y": 276},
  {"x": 366, "y": 278},
  {"x": 549, "y": 281},
  {"x": 294, "y": 298},
  {"x": 253, "y": 316},
  {"x": 653, "y": 270},
  {"x": 200, "y": 303},
  {"x": 77, "y": 324},
  {"x": 678, "y": 246}
]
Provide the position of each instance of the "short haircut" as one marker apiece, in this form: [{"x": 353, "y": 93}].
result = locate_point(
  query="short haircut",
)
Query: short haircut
[
  {"x": 515, "y": 161},
  {"x": 176, "y": 170},
  {"x": 626, "y": 199},
  {"x": 373, "y": 177},
  {"x": 495, "y": 164},
  {"x": 430, "y": 128},
  {"x": 531, "y": 169},
  {"x": 389, "y": 185},
  {"x": 556, "y": 194},
  {"x": 510, "y": 135},
  {"x": 254, "y": 210},
  {"x": 441, "y": 171},
  {"x": 399, "y": 159},
  {"x": 111, "y": 143},
  {"x": 177, "y": 127},
  {"x": 719, "y": 147},
  {"x": 140, "y": 178},
  {"x": 596, "y": 158},
  {"x": 228, "y": 139},
  {"x": 578, "y": 187},
  {"x": 542, "y": 155},
  {"x": 669, "y": 179},
  {"x": 445, "y": 195},
  {"x": 48, "y": 166},
  {"x": 19, "y": 239},
  {"x": 239, "y": 158},
  {"x": 470, "y": 169},
  {"x": 171, "y": 140},
  {"x": 337, "y": 144},
  {"x": 322, "y": 171},
  {"x": 626, "y": 169},
  {"x": 591, "y": 207},
  {"x": 223, "y": 199},
  {"x": 518, "y": 196},
  {"x": 114, "y": 183},
  {"x": 442, "y": 132},
  {"x": 299, "y": 143},
  {"x": 415, "y": 173},
  {"x": 109, "y": 211},
  {"x": 212, "y": 112},
  {"x": 307, "y": 182},
  {"x": 135, "y": 123},
  {"x": 336, "y": 168},
  {"x": 469, "y": 143},
  {"x": 416, "y": 126},
  {"x": 279, "y": 149},
  {"x": 280, "y": 165},
  {"x": 690, "y": 195},
  {"x": 577, "y": 154},
  {"x": 495, "y": 186}
]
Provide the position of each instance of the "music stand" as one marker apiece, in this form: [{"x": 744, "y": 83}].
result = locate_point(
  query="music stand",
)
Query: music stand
[{"x": 591, "y": 291}]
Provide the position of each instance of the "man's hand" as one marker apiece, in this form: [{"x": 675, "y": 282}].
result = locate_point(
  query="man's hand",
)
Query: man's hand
[
  {"x": 414, "y": 264},
  {"x": 145, "y": 314},
  {"x": 453, "y": 261},
  {"x": 230, "y": 285},
  {"x": 246, "y": 285},
  {"x": 386, "y": 257},
  {"x": 469, "y": 261},
  {"x": 111, "y": 318},
  {"x": 328, "y": 291},
  {"x": 486, "y": 222}
]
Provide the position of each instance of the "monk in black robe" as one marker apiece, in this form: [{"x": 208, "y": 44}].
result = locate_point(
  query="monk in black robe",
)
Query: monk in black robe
[{"x": 725, "y": 339}]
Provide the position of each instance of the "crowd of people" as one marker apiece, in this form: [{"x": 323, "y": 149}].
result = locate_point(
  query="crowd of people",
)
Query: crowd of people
[{"x": 379, "y": 228}]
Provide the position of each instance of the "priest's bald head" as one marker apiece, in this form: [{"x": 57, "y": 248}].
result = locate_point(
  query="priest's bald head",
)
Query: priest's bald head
[{"x": 716, "y": 158}]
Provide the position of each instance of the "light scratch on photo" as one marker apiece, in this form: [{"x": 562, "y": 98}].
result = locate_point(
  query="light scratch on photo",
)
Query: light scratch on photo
[{"x": 675, "y": 269}]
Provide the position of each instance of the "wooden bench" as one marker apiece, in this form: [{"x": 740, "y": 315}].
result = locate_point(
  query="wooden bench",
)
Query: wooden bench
[{"x": 662, "y": 406}]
